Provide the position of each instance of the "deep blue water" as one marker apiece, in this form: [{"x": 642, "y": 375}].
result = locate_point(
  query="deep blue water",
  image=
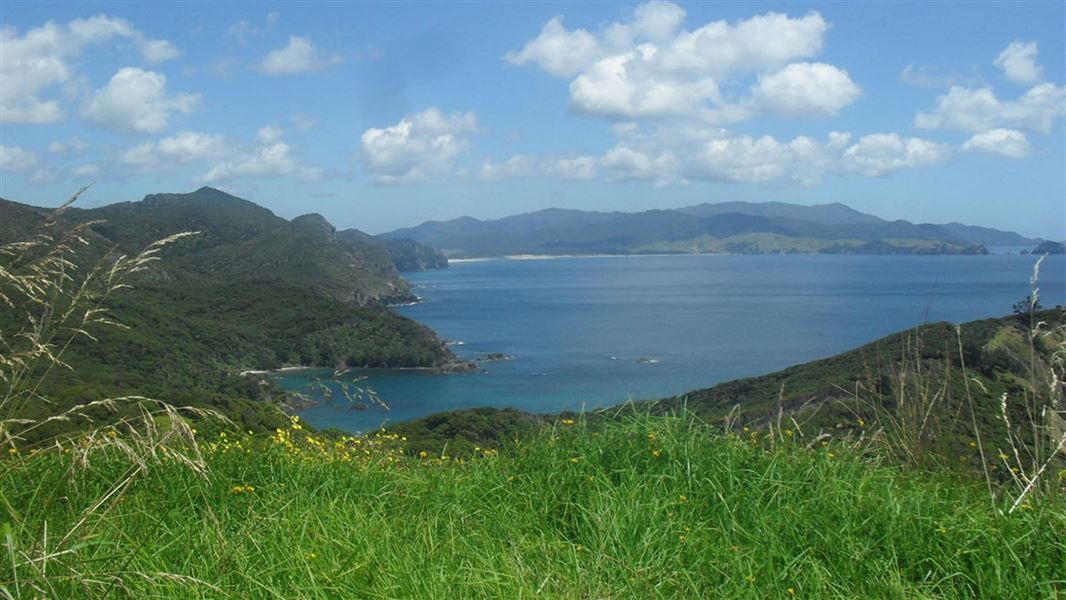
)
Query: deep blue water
[{"x": 577, "y": 327}]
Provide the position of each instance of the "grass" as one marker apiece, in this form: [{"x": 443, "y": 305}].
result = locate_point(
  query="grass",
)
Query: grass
[{"x": 645, "y": 507}]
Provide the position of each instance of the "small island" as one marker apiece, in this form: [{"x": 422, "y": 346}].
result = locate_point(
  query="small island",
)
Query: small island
[{"x": 1050, "y": 248}]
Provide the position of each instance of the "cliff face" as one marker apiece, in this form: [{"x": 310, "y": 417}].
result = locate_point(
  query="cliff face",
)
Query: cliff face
[{"x": 409, "y": 255}]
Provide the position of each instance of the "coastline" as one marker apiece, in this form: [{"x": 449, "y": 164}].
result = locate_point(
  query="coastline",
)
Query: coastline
[
  {"x": 459, "y": 367},
  {"x": 557, "y": 256},
  {"x": 278, "y": 370}
]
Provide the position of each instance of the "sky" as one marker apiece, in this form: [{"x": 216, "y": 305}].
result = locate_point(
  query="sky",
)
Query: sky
[{"x": 380, "y": 116}]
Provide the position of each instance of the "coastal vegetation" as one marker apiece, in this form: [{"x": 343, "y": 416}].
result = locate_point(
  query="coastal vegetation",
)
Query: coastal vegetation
[{"x": 245, "y": 290}]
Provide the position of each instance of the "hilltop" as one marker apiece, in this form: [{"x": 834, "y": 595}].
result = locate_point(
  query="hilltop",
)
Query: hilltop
[{"x": 731, "y": 227}]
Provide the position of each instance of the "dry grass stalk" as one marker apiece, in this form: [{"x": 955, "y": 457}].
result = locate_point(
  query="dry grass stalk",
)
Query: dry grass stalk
[{"x": 64, "y": 297}]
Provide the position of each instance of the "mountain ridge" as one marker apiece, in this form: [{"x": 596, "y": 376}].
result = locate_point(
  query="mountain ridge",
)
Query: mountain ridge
[{"x": 730, "y": 227}]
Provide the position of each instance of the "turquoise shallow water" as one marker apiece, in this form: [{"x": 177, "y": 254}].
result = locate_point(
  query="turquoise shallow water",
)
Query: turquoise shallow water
[{"x": 588, "y": 332}]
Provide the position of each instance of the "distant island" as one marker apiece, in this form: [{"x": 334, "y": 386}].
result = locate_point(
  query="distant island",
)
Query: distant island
[
  {"x": 723, "y": 228},
  {"x": 1050, "y": 248}
]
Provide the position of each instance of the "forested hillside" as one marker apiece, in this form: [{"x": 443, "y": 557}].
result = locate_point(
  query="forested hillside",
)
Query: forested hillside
[{"x": 249, "y": 290}]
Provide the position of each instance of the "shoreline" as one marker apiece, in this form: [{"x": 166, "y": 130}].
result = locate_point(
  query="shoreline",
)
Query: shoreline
[
  {"x": 557, "y": 256},
  {"x": 518, "y": 257},
  {"x": 455, "y": 369},
  {"x": 278, "y": 370}
]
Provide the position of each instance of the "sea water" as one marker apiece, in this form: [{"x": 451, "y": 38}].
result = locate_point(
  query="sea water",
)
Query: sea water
[{"x": 592, "y": 332}]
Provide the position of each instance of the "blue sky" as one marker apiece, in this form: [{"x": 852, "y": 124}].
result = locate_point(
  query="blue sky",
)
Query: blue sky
[{"x": 380, "y": 116}]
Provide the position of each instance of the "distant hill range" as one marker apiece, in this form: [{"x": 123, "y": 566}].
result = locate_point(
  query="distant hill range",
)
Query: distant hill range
[{"x": 729, "y": 227}]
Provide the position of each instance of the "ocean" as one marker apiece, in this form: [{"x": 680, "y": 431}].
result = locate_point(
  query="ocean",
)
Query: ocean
[{"x": 592, "y": 332}]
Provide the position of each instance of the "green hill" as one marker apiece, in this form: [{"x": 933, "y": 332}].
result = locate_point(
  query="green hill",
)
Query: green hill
[
  {"x": 241, "y": 240},
  {"x": 249, "y": 291},
  {"x": 732, "y": 227}
]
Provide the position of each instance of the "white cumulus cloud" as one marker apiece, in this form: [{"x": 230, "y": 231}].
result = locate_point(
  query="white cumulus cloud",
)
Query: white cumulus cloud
[
  {"x": 650, "y": 66},
  {"x": 978, "y": 109},
  {"x": 182, "y": 148},
  {"x": 1018, "y": 61},
  {"x": 520, "y": 166},
  {"x": 269, "y": 158},
  {"x": 298, "y": 56},
  {"x": 744, "y": 159},
  {"x": 15, "y": 159},
  {"x": 86, "y": 170},
  {"x": 34, "y": 62},
  {"x": 75, "y": 145},
  {"x": 882, "y": 153},
  {"x": 627, "y": 163},
  {"x": 806, "y": 89},
  {"x": 419, "y": 146},
  {"x": 557, "y": 51},
  {"x": 135, "y": 100},
  {"x": 1004, "y": 142},
  {"x": 269, "y": 134}
]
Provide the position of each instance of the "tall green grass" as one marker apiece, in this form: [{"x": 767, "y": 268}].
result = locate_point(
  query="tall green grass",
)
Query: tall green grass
[{"x": 645, "y": 507}]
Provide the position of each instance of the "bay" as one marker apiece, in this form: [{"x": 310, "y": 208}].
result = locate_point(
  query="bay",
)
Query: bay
[{"x": 592, "y": 332}]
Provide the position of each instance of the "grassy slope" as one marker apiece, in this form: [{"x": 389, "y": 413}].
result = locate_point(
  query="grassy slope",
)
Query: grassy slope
[{"x": 649, "y": 507}]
